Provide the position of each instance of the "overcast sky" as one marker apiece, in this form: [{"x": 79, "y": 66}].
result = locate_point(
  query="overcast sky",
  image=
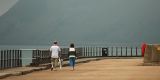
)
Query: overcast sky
[
  {"x": 36, "y": 22},
  {"x": 5, "y": 5}
]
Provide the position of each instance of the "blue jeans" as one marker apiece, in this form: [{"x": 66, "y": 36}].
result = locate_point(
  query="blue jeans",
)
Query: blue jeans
[{"x": 72, "y": 61}]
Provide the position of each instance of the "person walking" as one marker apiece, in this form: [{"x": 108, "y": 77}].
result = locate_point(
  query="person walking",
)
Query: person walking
[
  {"x": 72, "y": 55},
  {"x": 143, "y": 48},
  {"x": 55, "y": 53}
]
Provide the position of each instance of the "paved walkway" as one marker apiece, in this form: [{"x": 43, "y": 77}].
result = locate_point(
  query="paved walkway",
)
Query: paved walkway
[
  {"x": 106, "y": 69},
  {"x": 26, "y": 70}
]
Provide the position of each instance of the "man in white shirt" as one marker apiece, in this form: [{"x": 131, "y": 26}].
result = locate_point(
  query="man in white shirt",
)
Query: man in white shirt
[{"x": 55, "y": 52}]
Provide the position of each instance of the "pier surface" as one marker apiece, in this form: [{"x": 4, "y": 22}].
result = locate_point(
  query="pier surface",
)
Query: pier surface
[{"x": 105, "y": 69}]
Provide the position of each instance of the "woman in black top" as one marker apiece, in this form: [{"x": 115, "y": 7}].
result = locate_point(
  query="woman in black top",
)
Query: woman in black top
[{"x": 72, "y": 55}]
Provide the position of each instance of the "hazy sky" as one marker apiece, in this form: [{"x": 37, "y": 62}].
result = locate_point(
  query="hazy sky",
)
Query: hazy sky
[
  {"x": 36, "y": 22},
  {"x": 5, "y": 5}
]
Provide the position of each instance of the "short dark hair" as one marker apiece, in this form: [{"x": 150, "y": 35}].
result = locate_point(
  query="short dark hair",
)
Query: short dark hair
[
  {"x": 72, "y": 45},
  {"x": 55, "y": 42}
]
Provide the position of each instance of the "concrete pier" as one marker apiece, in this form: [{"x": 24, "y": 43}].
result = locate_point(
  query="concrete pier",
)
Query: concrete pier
[{"x": 104, "y": 69}]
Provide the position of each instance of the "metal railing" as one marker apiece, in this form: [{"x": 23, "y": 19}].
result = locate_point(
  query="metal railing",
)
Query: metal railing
[
  {"x": 94, "y": 51},
  {"x": 40, "y": 57},
  {"x": 14, "y": 58},
  {"x": 44, "y": 56},
  {"x": 10, "y": 58}
]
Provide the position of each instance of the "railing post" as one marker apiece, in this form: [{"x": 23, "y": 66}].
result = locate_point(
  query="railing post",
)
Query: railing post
[
  {"x": 116, "y": 51},
  {"x": 112, "y": 51},
  {"x": 15, "y": 58},
  {"x": 85, "y": 51},
  {"x": 99, "y": 51},
  {"x": 136, "y": 52},
  {"x": 94, "y": 51},
  {"x": 43, "y": 56},
  {"x": 90, "y": 51},
  {"x": 35, "y": 60},
  {"x": 20, "y": 56},
  {"x": 10, "y": 60},
  {"x": 131, "y": 51},
  {"x": 1, "y": 59},
  {"x": 5, "y": 59},
  {"x": 38, "y": 58},
  {"x": 32, "y": 57},
  {"x": 121, "y": 50},
  {"x": 49, "y": 57},
  {"x": 126, "y": 51}
]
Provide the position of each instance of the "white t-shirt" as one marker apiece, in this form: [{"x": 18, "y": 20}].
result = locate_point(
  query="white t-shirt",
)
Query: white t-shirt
[{"x": 55, "y": 51}]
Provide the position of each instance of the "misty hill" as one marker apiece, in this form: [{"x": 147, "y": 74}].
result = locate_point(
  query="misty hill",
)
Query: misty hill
[{"x": 38, "y": 22}]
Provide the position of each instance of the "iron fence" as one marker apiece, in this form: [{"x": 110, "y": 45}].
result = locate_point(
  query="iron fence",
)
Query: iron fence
[
  {"x": 10, "y": 58},
  {"x": 13, "y": 58},
  {"x": 94, "y": 51}
]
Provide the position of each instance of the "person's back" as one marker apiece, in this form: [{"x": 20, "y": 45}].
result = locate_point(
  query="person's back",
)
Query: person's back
[
  {"x": 72, "y": 55},
  {"x": 55, "y": 49},
  {"x": 72, "y": 52}
]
